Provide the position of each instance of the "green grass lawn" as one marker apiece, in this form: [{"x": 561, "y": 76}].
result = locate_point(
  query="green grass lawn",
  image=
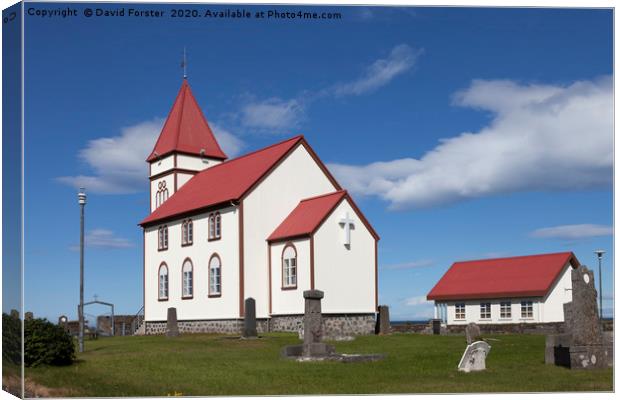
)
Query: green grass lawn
[{"x": 215, "y": 365}]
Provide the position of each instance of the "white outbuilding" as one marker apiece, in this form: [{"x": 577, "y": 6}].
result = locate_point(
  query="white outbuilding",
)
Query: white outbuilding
[{"x": 525, "y": 289}]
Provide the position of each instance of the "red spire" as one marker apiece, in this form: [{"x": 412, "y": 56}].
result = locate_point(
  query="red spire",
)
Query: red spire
[{"x": 186, "y": 130}]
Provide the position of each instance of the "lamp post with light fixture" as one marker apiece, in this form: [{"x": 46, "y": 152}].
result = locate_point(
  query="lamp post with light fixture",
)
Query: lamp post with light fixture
[
  {"x": 82, "y": 203},
  {"x": 599, "y": 254}
]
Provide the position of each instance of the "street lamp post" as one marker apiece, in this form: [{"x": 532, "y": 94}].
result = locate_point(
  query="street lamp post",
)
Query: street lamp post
[
  {"x": 599, "y": 254},
  {"x": 82, "y": 203}
]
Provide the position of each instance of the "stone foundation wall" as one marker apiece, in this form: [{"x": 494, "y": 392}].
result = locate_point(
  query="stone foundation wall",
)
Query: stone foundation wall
[{"x": 336, "y": 326}]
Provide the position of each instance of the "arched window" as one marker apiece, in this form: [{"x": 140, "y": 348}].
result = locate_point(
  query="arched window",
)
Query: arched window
[
  {"x": 187, "y": 232},
  {"x": 289, "y": 267},
  {"x": 188, "y": 279},
  {"x": 162, "y": 238},
  {"x": 162, "y": 194},
  {"x": 163, "y": 282},
  {"x": 215, "y": 226},
  {"x": 215, "y": 276}
]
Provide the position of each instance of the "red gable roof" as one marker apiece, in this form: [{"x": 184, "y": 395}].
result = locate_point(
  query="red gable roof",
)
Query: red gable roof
[
  {"x": 310, "y": 213},
  {"x": 225, "y": 182},
  {"x": 502, "y": 277},
  {"x": 307, "y": 216},
  {"x": 186, "y": 130}
]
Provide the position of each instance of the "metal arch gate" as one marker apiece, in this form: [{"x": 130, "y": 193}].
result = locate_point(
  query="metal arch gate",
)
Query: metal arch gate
[{"x": 105, "y": 304}]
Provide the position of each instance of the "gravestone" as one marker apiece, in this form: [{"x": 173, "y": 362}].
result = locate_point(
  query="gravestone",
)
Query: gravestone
[
  {"x": 582, "y": 345},
  {"x": 474, "y": 357},
  {"x": 28, "y": 315},
  {"x": 383, "y": 321},
  {"x": 172, "y": 327},
  {"x": 436, "y": 326},
  {"x": 313, "y": 326},
  {"x": 472, "y": 333},
  {"x": 249, "y": 320}
]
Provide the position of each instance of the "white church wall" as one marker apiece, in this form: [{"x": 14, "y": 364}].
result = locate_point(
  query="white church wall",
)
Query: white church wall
[
  {"x": 193, "y": 163},
  {"x": 289, "y": 301},
  {"x": 182, "y": 179},
  {"x": 162, "y": 165},
  {"x": 201, "y": 306},
  {"x": 169, "y": 180},
  {"x": 297, "y": 177},
  {"x": 553, "y": 307},
  {"x": 345, "y": 275}
]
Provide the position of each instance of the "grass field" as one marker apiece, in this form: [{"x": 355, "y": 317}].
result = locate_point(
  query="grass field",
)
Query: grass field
[{"x": 215, "y": 365}]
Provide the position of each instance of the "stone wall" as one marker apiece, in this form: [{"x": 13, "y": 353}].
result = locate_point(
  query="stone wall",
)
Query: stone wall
[
  {"x": 335, "y": 326},
  {"x": 534, "y": 328}
]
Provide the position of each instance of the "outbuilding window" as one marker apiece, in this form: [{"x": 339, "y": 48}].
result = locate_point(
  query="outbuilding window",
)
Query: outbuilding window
[
  {"x": 188, "y": 279},
  {"x": 505, "y": 310},
  {"x": 485, "y": 310},
  {"x": 289, "y": 267},
  {"x": 459, "y": 311},
  {"x": 215, "y": 276},
  {"x": 527, "y": 309},
  {"x": 163, "y": 282}
]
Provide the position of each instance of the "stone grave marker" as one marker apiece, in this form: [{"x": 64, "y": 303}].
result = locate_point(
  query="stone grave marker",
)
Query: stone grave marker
[
  {"x": 249, "y": 320},
  {"x": 474, "y": 357},
  {"x": 582, "y": 345},
  {"x": 383, "y": 321},
  {"x": 472, "y": 332},
  {"x": 172, "y": 327}
]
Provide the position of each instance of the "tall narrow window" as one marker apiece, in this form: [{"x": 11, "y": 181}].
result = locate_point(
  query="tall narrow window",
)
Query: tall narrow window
[
  {"x": 215, "y": 276},
  {"x": 211, "y": 226},
  {"x": 289, "y": 267},
  {"x": 218, "y": 225},
  {"x": 163, "y": 282},
  {"x": 505, "y": 309},
  {"x": 485, "y": 310},
  {"x": 188, "y": 279},
  {"x": 162, "y": 194},
  {"x": 162, "y": 238},
  {"x": 527, "y": 309},
  {"x": 187, "y": 232},
  {"x": 459, "y": 311}
]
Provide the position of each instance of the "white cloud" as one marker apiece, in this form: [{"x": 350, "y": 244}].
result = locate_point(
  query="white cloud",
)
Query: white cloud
[
  {"x": 380, "y": 72},
  {"x": 541, "y": 137},
  {"x": 118, "y": 162},
  {"x": 572, "y": 232},
  {"x": 410, "y": 265},
  {"x": 418, "y": 301},
  {"x": 103, "y": 239},
  {"x": 272, "y": 114}
]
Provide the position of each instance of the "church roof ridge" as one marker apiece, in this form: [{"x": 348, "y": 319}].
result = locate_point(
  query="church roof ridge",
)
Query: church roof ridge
[{"x": 336, "y": 192}]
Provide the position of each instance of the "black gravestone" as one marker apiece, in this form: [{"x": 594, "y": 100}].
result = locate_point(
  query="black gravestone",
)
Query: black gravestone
[
  {"x": 172, "y": 327},
  {"x": 249, "y": 319},
  {"x": 383, "y": 321}
]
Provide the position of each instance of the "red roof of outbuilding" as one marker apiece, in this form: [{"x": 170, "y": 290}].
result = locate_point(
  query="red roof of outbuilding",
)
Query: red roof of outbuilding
[
  {"x": 307, "y": 216},
  {"x": 224, "y": 182},
  {"x": 186, "y": 130},
  {"x": 522, "y": 276}
]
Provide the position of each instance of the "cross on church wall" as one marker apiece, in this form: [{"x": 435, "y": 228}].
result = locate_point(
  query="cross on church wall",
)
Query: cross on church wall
[{"x": 347, "y": 223}]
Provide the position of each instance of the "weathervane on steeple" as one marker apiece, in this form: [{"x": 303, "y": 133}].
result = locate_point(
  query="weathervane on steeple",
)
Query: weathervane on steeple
[{"x": 184, "y": 63}]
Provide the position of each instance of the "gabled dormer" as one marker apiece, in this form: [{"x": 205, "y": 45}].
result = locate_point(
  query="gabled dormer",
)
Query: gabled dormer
[{"x": 186, "y": 146}]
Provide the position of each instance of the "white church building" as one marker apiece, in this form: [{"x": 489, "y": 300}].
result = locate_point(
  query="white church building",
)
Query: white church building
[
  {"x": 525, "y": 289},
  {"x": 267, "y": 225}
]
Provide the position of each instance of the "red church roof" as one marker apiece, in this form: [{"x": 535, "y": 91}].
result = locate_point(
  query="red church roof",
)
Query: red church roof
[
  {"x": 228, "y": 181},
  {"x": 307, "y": 216},
  {"x": 186, "y": 130},
  {"x": 502, "y": 277}
]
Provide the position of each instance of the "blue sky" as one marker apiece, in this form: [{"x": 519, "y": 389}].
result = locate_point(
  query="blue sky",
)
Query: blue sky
[{"x": 462, "y": 133}]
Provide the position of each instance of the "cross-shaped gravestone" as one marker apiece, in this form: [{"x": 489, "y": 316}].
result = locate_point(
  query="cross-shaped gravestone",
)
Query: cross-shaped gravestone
[{"x": 348, "y": 224}]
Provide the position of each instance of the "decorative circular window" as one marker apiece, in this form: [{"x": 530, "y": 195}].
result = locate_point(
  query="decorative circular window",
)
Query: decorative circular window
[{"x": 586, "y": 278}]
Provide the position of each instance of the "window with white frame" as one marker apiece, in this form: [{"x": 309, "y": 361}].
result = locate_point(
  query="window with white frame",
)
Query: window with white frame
[
  {"x": 162, "y": 238},
  {"x": 215, "y": 276},
  {"x": 187, "y": 232},
  {"x": 163, "y": 282},
  {"x": 505, "y": 309},
  {"x": 289, "y": 267},
  {"x": 485, "y": 310},
  {"x": 527, "y": 309},
  {"x": 459, "y": 311},
  {"x": 188, "y": 279},
  {"x": 215, "y": 226},
  {"x": 162, "y": 194}
]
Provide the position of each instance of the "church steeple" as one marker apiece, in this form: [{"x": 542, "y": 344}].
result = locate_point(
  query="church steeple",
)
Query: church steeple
[
  {"x": 186, "y": 130},
  {"x": 186, "y": 146}
]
